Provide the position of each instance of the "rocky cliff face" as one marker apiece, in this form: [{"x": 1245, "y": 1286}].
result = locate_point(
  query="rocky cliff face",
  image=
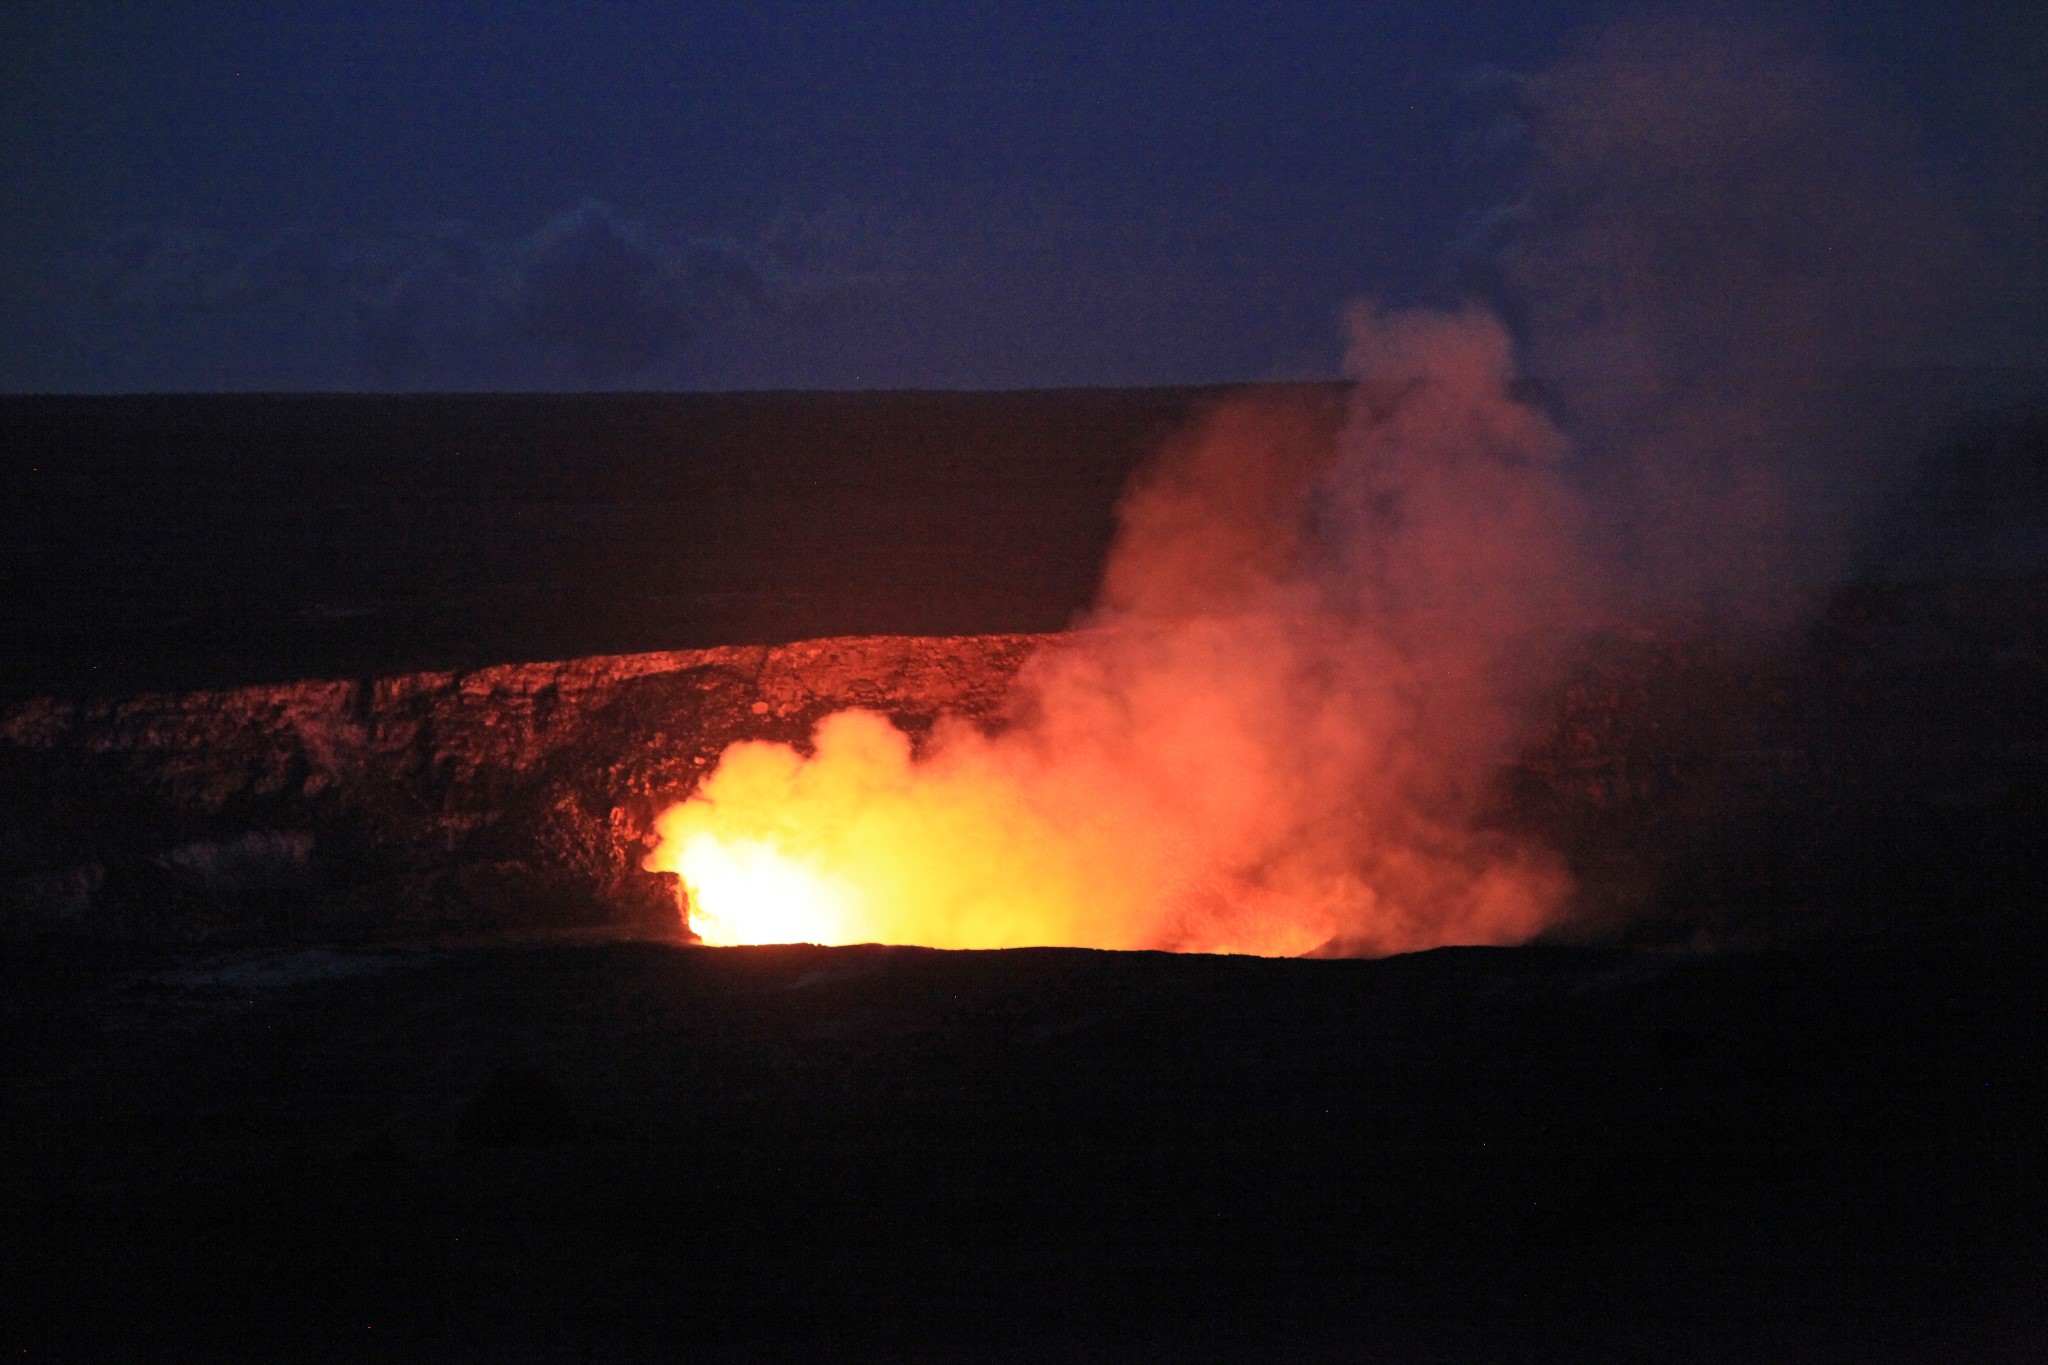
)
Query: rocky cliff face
[
  {"x": 515, "y": 795},
  {"x": 1896, "y": 757}
]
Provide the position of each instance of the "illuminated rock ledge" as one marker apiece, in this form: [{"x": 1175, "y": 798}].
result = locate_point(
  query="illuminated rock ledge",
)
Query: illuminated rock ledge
[
  {"x": 518, "y": 795},
  {"x": 1896, "y": 755}
]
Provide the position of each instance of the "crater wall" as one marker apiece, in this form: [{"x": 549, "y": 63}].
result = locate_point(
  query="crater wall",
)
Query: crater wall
[
  {"x": 1885, "y": 771},
  {"x": 518, "y": 795}
]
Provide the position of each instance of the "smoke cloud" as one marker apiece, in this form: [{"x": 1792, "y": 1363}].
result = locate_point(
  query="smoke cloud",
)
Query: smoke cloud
[
  {"x": 1317, "y": 643},
  {"x": 1718, "y": 237},
  {"x": 1331, "y": 646},
  {"x": 1275, "y": 733}
]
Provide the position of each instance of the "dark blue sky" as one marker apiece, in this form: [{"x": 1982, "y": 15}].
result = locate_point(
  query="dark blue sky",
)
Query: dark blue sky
[{"x": 402, "y": 196}]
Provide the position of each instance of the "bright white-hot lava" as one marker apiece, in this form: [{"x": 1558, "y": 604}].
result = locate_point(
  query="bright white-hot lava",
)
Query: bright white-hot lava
[{"x": 750, "y": 891}]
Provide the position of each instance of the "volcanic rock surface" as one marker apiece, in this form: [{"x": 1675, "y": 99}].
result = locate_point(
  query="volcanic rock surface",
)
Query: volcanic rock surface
[
  {"x": 520, "y": 795},
  {"x": 1883, "y": 773}
]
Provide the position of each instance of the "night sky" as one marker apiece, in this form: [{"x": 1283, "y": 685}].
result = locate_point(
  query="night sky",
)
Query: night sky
[{"x": 416, "y": 196}]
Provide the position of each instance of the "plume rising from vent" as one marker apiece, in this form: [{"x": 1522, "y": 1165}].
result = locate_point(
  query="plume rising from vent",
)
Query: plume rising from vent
[
  {"x": 1275, "y": 732},
  {"x": 1278, "y": 729}
]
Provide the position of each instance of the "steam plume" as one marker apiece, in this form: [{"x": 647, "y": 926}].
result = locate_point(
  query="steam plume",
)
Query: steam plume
[
  {"x": 1279, "y": 728},
  {"x": 1276, "y": 732},
  {"x": 1716, "y": 233}
]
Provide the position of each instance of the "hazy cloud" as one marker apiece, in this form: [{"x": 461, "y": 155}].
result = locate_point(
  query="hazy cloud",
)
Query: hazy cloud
[
  {"x": 1715, "y": 230},
  {"x": 588, "y": 298}
]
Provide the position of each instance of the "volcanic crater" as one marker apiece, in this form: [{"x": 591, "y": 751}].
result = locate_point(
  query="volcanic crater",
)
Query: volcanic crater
[
  {"x": 347, "y": 1006},
  {"x": 1698, "y": 783}
]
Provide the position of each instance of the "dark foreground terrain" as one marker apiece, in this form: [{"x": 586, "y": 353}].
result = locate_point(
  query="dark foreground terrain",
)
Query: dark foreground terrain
[{"x": 636, "y": 1150}]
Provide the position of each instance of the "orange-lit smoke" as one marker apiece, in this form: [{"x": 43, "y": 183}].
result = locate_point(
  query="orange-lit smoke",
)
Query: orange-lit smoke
[
  {"x": 1317, "y": 641},
  {"x": 1275, "y": 733}
]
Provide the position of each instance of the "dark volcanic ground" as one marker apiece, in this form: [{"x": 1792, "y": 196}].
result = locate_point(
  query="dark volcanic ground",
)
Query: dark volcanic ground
[
  {"x": 1823, "y": 1146},
  {"x": 609, "y": 1151}
]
